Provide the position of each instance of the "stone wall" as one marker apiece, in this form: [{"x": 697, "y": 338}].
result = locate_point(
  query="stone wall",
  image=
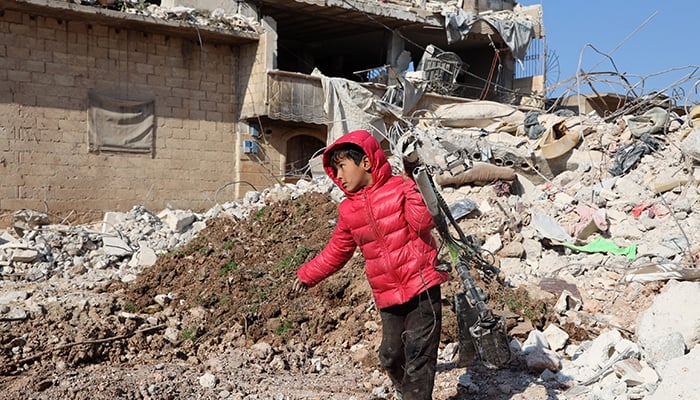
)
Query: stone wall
[{"x": 47, "y": 68}]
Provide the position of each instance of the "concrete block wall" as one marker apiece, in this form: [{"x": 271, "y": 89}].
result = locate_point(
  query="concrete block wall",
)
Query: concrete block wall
[
  {"x": 47, "y": 68},
  {"x": 255, "y": 60},
  {"x": 266, "y": 168}
]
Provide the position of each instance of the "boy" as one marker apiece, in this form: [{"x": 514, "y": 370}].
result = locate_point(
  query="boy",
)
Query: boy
[{"x": 385, "y": 216}]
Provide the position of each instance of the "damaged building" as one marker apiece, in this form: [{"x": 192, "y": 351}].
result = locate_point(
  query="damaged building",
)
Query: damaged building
[{"x": 185, "y": 104}]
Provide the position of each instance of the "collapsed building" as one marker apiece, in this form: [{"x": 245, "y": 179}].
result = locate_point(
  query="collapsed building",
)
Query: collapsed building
[{"x": 108, "y": 104}]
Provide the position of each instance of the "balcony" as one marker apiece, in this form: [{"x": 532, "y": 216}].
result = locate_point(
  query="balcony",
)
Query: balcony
[{"x": 296, "y": 97}]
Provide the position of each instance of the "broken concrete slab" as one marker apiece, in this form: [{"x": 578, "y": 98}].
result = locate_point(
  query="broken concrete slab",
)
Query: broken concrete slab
[
  {"x": 556, "y": 337},
  {"x": 669, "y": 315},
  {"x": 679, "y": 377},
  {"x": 115, "y": 246},
  {"x": 24, "y": 255},
  {"x": 177, "y": 220},
  {"x": 144, "y": 256}
]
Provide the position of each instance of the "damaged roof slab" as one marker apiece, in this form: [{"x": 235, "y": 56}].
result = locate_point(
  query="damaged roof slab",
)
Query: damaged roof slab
[{"x": 71, "y": 11}]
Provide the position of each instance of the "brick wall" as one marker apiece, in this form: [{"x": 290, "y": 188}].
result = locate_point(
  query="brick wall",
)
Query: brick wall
[{"x": 47, "y": 68}]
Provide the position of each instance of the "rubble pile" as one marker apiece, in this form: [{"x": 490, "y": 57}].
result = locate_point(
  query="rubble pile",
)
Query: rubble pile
[
  {"x": 217, "y": 18},
  {"x": 594, "y": 227},
  {"x": 121, "y": 246},
  {"x": 605, "y": 234}
]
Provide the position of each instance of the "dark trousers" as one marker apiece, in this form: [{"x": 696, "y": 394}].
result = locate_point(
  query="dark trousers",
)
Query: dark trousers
[{"x": 410, "y": 340}]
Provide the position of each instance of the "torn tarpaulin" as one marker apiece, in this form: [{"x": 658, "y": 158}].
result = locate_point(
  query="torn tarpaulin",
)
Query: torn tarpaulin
[{"x": 516, "y": 30}]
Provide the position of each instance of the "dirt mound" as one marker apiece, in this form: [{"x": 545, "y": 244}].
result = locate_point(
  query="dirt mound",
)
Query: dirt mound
[{"x": 242, "y": 271}]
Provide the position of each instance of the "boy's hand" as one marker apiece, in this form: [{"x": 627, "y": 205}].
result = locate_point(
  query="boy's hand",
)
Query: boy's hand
[{"x": 298, "y": 286}]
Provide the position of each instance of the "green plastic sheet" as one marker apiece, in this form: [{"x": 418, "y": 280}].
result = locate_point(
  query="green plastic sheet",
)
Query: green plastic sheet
[{"x": 601, "y": 245}]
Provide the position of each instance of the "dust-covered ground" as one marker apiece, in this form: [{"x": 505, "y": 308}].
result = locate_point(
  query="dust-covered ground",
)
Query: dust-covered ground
[{"x": 215, "y": 319}]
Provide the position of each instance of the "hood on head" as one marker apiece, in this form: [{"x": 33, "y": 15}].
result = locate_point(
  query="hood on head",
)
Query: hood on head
[{"x": 381, "y": 169}]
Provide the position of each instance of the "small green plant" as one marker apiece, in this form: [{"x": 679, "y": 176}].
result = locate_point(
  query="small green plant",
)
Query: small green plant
[
  {"x": 206, "y": 250},
  {"x": 230, "y": 266},
  {"x": 259, "y": 214},
  {"x": 301, "y": 207},
  {"x": 262, "y": 295},
  {"x": 294, "y": 260},
  {"x": 224, "y": 300},
  {"x": 180, "y": 252},
  {"x": 515, "y": 304},
  {"x": 228, "y": 245},
  {"x": 130, "y": 306},
  {"x": 284, "y": 328},
  {"x": 189, "y": 333}
]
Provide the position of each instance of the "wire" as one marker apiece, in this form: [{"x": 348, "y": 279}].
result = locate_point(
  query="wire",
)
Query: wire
[
  {"x": 496, "y": 61},
  {"x": 408, "y": 40},
  {"x": 216, "y": 194}
]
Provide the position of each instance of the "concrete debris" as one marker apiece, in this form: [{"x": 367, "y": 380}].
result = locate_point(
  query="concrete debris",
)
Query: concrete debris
[
  {"x": 635, "y": 226},
  {"x": 217, "y": 18},
  {"x": 572, "y": 198},
  {"x": 556, "y": 337},
  {"x": 679, "y": 377},
  {"x": 670, "y": 326}
]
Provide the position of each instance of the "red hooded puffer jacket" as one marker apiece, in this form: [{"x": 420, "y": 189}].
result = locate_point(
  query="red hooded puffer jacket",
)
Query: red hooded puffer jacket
[{"x": 390, "y": 223}]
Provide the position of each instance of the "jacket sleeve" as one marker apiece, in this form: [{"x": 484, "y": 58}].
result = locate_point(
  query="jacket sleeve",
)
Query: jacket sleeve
[
  {"x": 333, "y": 257},
  {"x": 417, "y": 214}
]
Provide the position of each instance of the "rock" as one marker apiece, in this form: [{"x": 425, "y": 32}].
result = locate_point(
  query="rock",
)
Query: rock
[
  {"x": 679, "y": 377},
  {"x": 600, "y": 351},
  {"x": 126, "y": 278},
  {"x": 208, "y": 380},
  {"x": 172, "y": 334},
  {"x": 316, "y": 364},
  {"x": 532, "y": 392},
  {"x": 493, "y": 243},
  {"x": 512, "y": 250},
  {"x": 25, "y": 220},
  {"x": 556, "y": 337},
  {"x": 536, "y": 340},
  {"x": 163, "y": 299},
  {"x": 627, "y": 187},
  {"x": 510, "y": 267},
  {"x": 670, "y": 314},
  {"x": 361, "y": 355},
  {"x": 567, "y": 302},
  {"x": 371, "y": 326},
  {"x": 27, "y": 256},
  {"x": 144, "y": 257},
  {"x": 633, "y": 373},
  {"x": 5, "y": 237},
  {"x": 177, "y": 220},
  {"x": 541, "y": 359},
  {"x": 13, "y": 296},
  {"x": 112, "y": 219},
  {"x": 15, "y": 314},
  {"x": 449, "y": 352},
  {"x": 521, "y": 329},
  {"x": 664, "y": 348},
  {"x": 115, "y": 246},
  {"x": 262, "y": 350}
]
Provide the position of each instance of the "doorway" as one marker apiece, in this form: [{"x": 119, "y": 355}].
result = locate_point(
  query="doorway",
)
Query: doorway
[{"x": 300, "y": 149}]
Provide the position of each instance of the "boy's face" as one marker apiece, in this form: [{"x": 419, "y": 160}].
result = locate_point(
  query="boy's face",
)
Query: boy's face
[{"x": 353, "y": 177}]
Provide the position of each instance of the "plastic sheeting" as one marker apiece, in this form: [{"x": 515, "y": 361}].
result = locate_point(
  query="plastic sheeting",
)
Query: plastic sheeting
[{"x": 517, "y": 32}]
